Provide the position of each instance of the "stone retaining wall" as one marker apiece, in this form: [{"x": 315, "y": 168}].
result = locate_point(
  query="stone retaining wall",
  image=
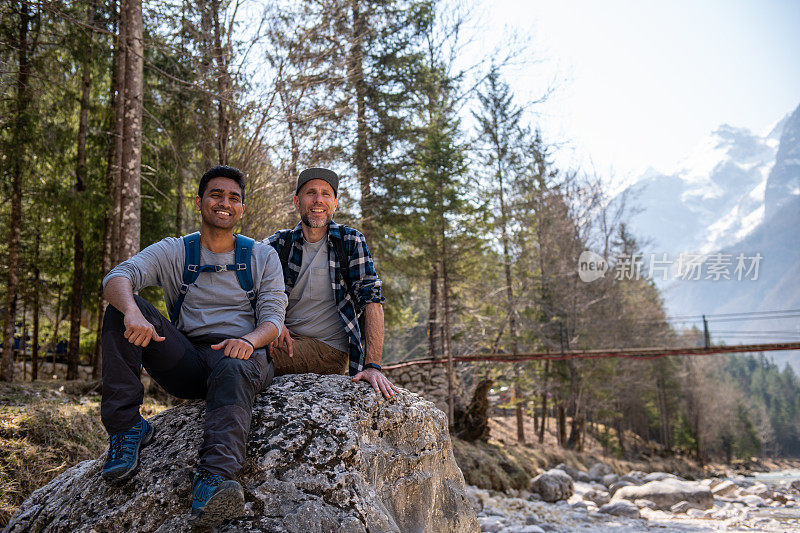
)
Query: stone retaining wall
[{"x": 430, "y": 382}]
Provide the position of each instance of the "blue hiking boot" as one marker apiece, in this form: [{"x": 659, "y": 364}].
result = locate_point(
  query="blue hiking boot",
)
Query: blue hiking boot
[
  {"x": 215, "y": 499},
  {"x": 122, "y": 461}
]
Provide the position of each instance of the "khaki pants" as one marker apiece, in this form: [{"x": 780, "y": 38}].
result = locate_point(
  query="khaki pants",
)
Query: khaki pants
[{"x": 309, "y": 356}]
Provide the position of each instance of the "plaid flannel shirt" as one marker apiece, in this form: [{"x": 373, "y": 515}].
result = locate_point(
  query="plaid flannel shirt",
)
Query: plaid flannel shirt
[{"x": 366, "y": 286}]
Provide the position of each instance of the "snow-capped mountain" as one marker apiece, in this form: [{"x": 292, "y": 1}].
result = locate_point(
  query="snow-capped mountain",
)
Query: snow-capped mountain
[
  {"x": 738, "y": 193},
  {"x": 712, "y": 198},
  {"x": 784, "y": 179}
]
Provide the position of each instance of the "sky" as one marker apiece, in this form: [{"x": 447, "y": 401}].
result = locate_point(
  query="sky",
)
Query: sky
[{"x": 638, "y": 84}]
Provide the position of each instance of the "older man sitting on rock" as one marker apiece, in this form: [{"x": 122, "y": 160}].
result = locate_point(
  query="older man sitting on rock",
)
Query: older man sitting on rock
[{"x": 330, "y": 281}]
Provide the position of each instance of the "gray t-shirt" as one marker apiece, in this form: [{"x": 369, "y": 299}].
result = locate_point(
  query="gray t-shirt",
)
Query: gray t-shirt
[
  {"x": 312, "y": 305},
  {"x": 215, "y": 304}
]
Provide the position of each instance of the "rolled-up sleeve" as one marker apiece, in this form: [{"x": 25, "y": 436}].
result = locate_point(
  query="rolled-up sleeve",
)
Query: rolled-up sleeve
[
  {"x": 272, "y": 297},
  {"x": 366, "y": 284}
]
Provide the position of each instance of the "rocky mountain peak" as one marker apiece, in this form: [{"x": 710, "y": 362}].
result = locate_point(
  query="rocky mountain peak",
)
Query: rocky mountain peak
[{"x": 783, "y": 183}]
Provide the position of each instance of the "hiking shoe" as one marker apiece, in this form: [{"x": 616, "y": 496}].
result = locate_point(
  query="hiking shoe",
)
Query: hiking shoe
[
  {"x": 122, "y": 461},
  {"x": 215, "y": 499}
]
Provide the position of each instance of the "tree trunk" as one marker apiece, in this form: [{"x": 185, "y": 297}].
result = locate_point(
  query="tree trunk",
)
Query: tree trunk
[
  {"x": 112, "y": 182},
  {"x": 23, "y": 341},
  {"x": 18, "y": 166},
  {"x": 361, "y": 152},
  {"x": 562, "y": 424},
  {"x": 574, "y": 407},
  {"x": 663, "y": 412},
  {"x": 115, "y": 162},
  {"x": 130, "y": 197},
  {"x": 512, "y": 322},
  {"x": 97, "y": 355},
  {"x": 54, "y": 337},
  {"x": 576, "y": 433},
  {"x": 210, "y": 136},
  {"x": 698, "y": 440},
  {"x": 223, "y": 86},
  {"x": 433, "y": 315},
  {"x": 75, "y": 308},
  {"x": 448, "y": 353},
  {"x": 621, "y": 435},
  {"x": 293, "y": 172},
  {"x": 520, "y": 405},
  {"x": 36, "y": 307},
  {"x": 544, "y": 401}
]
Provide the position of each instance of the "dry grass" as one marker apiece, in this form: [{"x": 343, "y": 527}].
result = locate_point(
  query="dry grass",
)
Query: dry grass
[{"x": 46, "y": 428}]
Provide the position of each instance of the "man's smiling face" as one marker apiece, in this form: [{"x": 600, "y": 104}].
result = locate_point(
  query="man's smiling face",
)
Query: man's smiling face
[
  {"x": 316, "y": 203},
  {"x": 221, "y": 205}
]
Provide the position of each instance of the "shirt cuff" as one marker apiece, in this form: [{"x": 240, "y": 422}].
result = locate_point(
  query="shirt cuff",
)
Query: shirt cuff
[
  {"x": 277, "y": 322},
  {"x": 112, "y": 275}
]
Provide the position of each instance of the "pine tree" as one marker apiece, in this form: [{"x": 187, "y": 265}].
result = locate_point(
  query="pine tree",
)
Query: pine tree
[
  {"x": 501, "y": 138},
  {"x": 25, "y": 35}
]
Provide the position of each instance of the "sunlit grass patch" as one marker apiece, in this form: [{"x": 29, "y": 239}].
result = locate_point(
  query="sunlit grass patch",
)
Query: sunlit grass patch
[{"x": 45, "y": 430}]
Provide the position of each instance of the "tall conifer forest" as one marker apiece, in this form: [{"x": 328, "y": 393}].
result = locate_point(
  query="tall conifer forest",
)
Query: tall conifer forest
[{"x": 110, "y": 111}]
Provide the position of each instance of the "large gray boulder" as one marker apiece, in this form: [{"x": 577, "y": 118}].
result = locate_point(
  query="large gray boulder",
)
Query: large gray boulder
[
  {"x": 724, "y": 489},
  {"x": 598, "y": 470},
  {"x": 553, "y": 485},
  {"x": 658, "y": 476},
  {"x": 621, "y": 508},
  {"x": 668, "y": 492},
  {"x": 598, "y": 497},
  {"x": 325, "y": 455},
  {"x": 570, "y": 471}
]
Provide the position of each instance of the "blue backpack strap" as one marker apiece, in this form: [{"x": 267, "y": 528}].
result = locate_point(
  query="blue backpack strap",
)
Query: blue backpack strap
[
  {"x": 244, "y": 273},
  {"x": 191, "y": 269}
]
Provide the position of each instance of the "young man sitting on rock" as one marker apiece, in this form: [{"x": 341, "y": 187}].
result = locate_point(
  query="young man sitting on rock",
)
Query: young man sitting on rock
[
  {"x": 226, "y": 301},
  {"x": 330, "y": 280}
]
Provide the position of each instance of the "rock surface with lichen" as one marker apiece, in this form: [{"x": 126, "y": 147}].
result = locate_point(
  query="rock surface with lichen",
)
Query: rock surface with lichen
[{"x": 324, "y": 455}]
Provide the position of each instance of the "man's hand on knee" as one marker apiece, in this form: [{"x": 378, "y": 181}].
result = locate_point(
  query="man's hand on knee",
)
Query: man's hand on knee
[
  {"x": 235, "y": 348},
  {"x": 139, "y": 331},
  {"x": 379, "y": 382},
  {"x": 284, "y": 339}
]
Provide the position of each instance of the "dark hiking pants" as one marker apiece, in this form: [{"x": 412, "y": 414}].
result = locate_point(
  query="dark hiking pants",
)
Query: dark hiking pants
[{"x": 188, "y": 370}]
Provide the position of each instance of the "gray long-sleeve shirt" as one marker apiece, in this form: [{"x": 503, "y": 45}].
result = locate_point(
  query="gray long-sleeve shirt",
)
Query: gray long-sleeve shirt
[{"x": 215, "y": 304}]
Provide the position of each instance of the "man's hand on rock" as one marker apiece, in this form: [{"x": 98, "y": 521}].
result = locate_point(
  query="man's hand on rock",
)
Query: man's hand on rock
[
  {"x": 138, "y": 330},
  {"x": 284, "y": 339},
  {"x": 235, "y": 348},
  {"x": 379, "y": 382}
]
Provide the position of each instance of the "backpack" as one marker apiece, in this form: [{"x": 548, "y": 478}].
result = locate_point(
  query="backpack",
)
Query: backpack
[{"x": 192, "y": 268}]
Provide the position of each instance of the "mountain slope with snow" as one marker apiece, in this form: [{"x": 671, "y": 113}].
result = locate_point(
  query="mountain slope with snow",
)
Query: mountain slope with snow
[
  {"x": 738, "y": 193},
  {"x": 713, "y": 198}
]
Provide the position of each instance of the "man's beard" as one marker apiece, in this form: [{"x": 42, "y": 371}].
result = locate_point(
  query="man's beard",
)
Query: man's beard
[{"x": 315, "y": 223}]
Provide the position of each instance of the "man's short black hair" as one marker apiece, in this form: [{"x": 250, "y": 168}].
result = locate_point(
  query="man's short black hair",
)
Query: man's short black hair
[{"x": 221, "y": 171}]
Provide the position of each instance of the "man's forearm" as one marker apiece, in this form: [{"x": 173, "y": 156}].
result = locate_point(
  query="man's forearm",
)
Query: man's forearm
[
  {"x": 373, "y": 333},
  {"x": 119, "y": 293},
  {"x": 262, "y": 335}
]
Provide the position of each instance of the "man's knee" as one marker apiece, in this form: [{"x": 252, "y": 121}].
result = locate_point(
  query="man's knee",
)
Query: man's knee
[
  {"x": 310, "y": 355},
  {"x": 230, "y": 369},
  {"x": 114, "y": 319},
  {"x": 233, "y": 382}
]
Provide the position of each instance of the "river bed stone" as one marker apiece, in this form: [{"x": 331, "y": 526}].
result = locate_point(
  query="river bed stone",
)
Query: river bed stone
[{"x": 726, "y": 513}]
